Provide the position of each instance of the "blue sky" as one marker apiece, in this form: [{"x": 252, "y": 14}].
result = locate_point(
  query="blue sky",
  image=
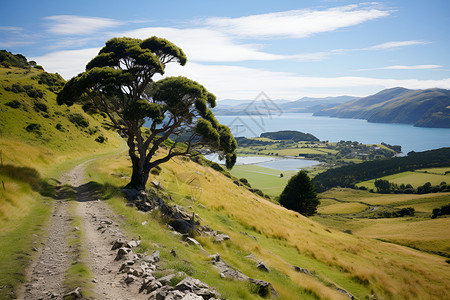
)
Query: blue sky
[{"x": 237, "y": 49}]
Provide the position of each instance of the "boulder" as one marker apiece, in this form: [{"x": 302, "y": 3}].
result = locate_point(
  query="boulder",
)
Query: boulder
[
  {"x": 164, "y": 280},
  {"x": 122, "y": 252},
  {"x": 119, "y": 243},
  {"x": 192, "y": 296},
  {"x": 264, "y": 288},
  {"x": 182, "y": 226},
  {"x": 301, "y": 270},
  {"x": 153, "y": 258},
  {"x": 221, "y": 237},
  {"x": 262, "y": 266}
]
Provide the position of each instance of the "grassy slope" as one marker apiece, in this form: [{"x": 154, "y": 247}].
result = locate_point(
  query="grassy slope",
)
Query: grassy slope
[
  {"x": 23, "y": 210},
  {"x": 339, "y": 209},
  {"x": 361, "y": 265}
]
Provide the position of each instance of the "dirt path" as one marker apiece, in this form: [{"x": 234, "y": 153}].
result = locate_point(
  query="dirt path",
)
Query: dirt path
[{"x": 47, "y": 273}]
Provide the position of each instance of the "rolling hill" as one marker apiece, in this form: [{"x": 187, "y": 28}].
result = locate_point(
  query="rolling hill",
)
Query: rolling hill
[{"x": 423, "y": 108}]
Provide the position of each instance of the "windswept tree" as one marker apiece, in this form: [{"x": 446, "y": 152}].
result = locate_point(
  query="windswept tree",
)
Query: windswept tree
[
  {"x": 300, "y": 195},
  {"x": 118, "y": 82}
]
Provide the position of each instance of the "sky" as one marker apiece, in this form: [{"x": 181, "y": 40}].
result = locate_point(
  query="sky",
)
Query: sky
[{"x": 238, "y": 49}]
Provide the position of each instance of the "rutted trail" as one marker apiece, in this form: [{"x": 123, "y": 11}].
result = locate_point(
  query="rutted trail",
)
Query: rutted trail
[{"x": 48, "y": 271}]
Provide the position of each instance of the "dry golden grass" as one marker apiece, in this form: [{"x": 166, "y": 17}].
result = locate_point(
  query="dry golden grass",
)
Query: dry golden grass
[
  {"x": 342, "y": 208},
  {"x": 358, "y": 264}
]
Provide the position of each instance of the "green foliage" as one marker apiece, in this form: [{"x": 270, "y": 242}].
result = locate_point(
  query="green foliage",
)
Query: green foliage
[
  {"x": 293, "y": 135},
  {"x": 13, "y": 104},
  {"x": 29, "y": 89},
  {"x": 300, "y": 195},
  {"x": 118, "y": 82},
  {"x": 78, "y": 119},
  {"x": 34, "y": 127},
  {"x": 7, "y": 59},
  {"x": 348, "y": 176},
  {"x": 100, "y": 139},
  {"x": 39, "y": 106},
  {"x": 53, "y": 81},
  {"x": 442, "y": 211}
]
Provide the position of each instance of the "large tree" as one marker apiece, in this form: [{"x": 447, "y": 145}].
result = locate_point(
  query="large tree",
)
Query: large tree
[
  {"x": 300, "y": 195},
  {"x": 118, "y": 82}
]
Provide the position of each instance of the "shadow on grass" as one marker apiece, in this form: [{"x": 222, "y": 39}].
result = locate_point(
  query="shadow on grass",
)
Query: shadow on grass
[{"x": 93, "y": 191}]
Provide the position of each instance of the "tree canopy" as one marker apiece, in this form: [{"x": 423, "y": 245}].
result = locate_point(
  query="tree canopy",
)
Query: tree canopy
[
  {"x": 300, "y": 195},
  {"x": 118, "y": 82}
]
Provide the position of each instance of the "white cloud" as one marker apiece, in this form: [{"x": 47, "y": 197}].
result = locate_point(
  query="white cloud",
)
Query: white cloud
[
  {"x": 235, "y": 82},
  {"x": 11, "y": 28},
  {"x": 298, "y": 23},
  {"x": 391, "y": 45},
  {"x": 67, "y": 63},
  {"x": 205, "y": 44},
  {"x": 416, "y": 67},
  {"x": 77, "y": 25}
]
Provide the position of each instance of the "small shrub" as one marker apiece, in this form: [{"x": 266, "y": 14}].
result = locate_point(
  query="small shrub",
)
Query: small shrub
[
  {"x": 33, "y": 127},
  {"x": 39, "y": 106},
  {"x": 79, "y": 120},
  {"x": 13, "y": 104},
  {"x": 59, "y": 127},
  {"x": 100, "y": 139},
  {"x": 156, "y": 170}
]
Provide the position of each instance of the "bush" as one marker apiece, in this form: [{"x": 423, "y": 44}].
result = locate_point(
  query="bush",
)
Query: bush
[
  {"x": 33, "y": 127},
  {"x": 156, "y": 170},
  {"x": 59, "y": 127},
  {"x": 100, "y": 139},
  {"x": 13, "y": 104},
  {"x": 38, "y": 106},
  {"x": 78, "y": 119},
  {"x": 444, "y": 210}
]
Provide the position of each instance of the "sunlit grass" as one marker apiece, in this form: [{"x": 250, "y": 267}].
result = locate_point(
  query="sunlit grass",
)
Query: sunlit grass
[{"x": 361, "y": 265}]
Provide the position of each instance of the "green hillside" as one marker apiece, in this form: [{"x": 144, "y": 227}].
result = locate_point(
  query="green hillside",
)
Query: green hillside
[{"x": 424, "y": 108}]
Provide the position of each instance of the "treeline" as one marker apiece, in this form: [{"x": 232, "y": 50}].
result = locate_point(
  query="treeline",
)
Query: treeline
[
  {"x": 7, "y": 59},
  {"x": 386, "y": 187},
  {"x": 291, "y": 135},
  {"x": 348, "y": 176}
]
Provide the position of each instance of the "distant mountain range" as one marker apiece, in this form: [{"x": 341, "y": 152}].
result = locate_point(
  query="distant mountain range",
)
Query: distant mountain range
[
  {"x": 421, "y": 108},
  {"x": 249, "y": 107}
]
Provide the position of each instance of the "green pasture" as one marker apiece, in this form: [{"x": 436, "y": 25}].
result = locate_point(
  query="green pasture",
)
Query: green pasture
[
  {"x": 415, "y": 178},
  {"x": 266, "y": 179}
]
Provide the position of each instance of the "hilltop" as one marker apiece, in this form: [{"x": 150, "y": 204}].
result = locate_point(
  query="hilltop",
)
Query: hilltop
[{"x": 423, "y": 108}]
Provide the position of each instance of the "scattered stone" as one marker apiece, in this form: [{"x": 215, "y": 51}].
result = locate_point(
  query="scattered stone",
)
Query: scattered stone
[
  {"x": 144, "y": 223},
  {"x": 158, "y": 185},
  {"x": 215, "y": 257},
  {"x": 221, "y": 237},
  {"x": 192, "y": 241},
  {"x": 122, "y": 253},
  {"x": 262, "y": 266},
  {"x": 264, "y": 288},
  {"x": 345, "y": 293},
  {"x": 118, "y": 244},
  {"x": 173, "y": 252},
  {"x": 130, "y": 278},
  {"x": 74, "y": 294},
  {"x": 302, "y": 270},
  {"x": 192, "y": 296},
  {"x": 251, "y": 256},
  {"x": 154, "y": 258},
  {"x": 182, "y": 226},
  {"x": 249, "y": 235},
  {"x": 164, "y": 280},
  {"x": 133, "y": 244}
]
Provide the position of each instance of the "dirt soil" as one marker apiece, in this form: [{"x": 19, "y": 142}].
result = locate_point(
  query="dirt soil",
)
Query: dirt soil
[{"x": 100, "y": 228}]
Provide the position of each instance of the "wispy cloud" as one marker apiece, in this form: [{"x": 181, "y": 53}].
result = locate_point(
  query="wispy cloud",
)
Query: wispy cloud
[
  {"x": 397, "y": 44},
  {"x": 416, "y": 67},
  {"x": 298, "y": 23},
  {"x": 206, "y": 45},
  {"x": 398, "y": 67},
  {"x": 77, "y": 25}
]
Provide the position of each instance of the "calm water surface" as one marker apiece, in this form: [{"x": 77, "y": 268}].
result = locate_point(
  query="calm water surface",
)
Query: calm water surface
[{"x": 334, "y": 129}]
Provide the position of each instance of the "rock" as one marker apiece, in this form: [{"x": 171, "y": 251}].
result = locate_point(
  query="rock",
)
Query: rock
[
  {"x": 173, "y": 252},
  {"x": 119, "y": 243},
  {"x": 221, "y": 237},
  {"x": 251, "y": 256},
  {"x": 130, "y": 278},
  {"x": 264, "y": 288},
  {"x": 301, "y": 270},
  {"x": 182, "y": 226},
  {"x": 164, "y": 280},
  {"x": 190, "y": 284},
  {"x": 157, "y": 184},
  {"x": 133, "y": 244},
  {"x": 154, "y": 258},
  {"x": 215, "y": 257},
  {"x": 345, "y": 293},
  {"x": 122, "y": 252},
  {"x": 74, "y": 294},
  {"x": 150, "y": 286},
  {"x": 192, "y": 296},
  {"x": 161, "y": 293},
  {"x": 144, "y": 223},
  {"x": 249, "y": 235},
  {"x": 262, "y": 266},
  {"x": 192, "y": 241}
]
